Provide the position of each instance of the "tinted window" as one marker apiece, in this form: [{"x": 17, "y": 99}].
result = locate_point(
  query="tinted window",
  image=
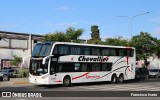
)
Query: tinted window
[
  {"x": 113, "y": 52},
  {"x": 77, "y": 67},
  {"x": 107, "y": 67},
  {"x": 66, "y": 67},
  {"x": 96, "y": 67},
  {"x": 61, "y": 49},
  {"x": 95, "y": 51},
  {"x": 75, "y": 50},
  {"x": 105, "y": 52},
  {"x": 121, "y": 52},
  {"x": 86, "y": 51},
  {"x": 130, "y": 53},
  {"x": 85, "y": 67},
  {"x": 41, "y": 50}
]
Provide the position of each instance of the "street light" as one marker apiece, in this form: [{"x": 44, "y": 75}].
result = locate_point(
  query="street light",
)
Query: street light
[{"x": 131, "y": 19}]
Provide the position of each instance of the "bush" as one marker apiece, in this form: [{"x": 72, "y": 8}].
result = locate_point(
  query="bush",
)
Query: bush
[{"x": 23, "y": 72}]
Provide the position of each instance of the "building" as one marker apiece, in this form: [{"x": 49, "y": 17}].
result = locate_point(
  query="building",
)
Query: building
[
  {"x": 19, "y": 44},
  {"x": 154, "y": 62}
]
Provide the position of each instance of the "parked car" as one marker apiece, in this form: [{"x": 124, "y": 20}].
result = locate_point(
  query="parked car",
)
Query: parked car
[
  {"x": 141, "y": 73},
  {"x": 154, "y": 73},
  {"x": 6, "y": 74}
]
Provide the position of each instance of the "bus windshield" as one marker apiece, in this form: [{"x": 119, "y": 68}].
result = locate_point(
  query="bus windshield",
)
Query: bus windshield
[
  {"x": 36, "y": 67},
  {"x": 41, "y": 50}
]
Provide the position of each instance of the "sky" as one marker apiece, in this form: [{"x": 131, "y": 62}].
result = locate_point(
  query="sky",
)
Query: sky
[{"x": 49, "y": 16}]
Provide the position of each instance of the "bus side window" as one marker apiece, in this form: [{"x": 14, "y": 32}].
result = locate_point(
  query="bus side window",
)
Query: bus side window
[
  {"x": 113, "y": 52},
  {"x": 96, "y": 67},
  {"x": 86, "y": 50},
  {"x": 59, "y": 68},
  {"x": 55, "y": 51},
  {"x": 130, "y": 52},
  {"x": 84, "y": 67},
  {"x": 107, "y": 67},
  {"x": 77, "y": 67},
  {"x": 75, "y": 50},
  {"x": 105, "y": 52},
  {"x": 63, "y": 49},
  {"x": 95, "y": 51},
  {"x": 121, "y": 52}
]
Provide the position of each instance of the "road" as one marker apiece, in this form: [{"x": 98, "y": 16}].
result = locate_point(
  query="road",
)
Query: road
[{"x": 91, "y": 90}]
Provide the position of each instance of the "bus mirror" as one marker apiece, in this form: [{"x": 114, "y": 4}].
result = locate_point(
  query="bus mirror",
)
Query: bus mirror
[{"x": 45, "y": 59}]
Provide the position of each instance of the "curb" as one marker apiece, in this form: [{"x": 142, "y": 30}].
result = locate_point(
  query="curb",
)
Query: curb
[{"x": 21, "y": 83}]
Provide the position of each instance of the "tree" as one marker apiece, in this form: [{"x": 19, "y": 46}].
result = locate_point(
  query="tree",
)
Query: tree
[
  {"x": 16, "y": 61},
  {"x": 70, "y": 34},
  {"x": 145, "y": 45},
  {"x": 95, "y": 35},
  {"x": 158, "y": 49},
  {"x": 56, "y": 36},
  {"x": 74, "y": 34},
  {"x": 95, "y": 32},
  {"x": 119, "y": 41}
]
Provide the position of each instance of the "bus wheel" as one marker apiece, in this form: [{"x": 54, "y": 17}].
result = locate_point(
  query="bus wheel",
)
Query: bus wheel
[
  {"x": 114, "y": 79},
  {"x": 67, "y": 81},
  {"x": 120, "y": 79}
]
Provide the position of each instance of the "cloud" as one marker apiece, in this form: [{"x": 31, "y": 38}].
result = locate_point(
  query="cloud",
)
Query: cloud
[
  {"x": 156, "y": 30},
  {"x": 64, "y": 8},
  {"x": 155, "y": 20},
  {"x": 8, "y": 25},
  {"x": 61, "y": 24}
]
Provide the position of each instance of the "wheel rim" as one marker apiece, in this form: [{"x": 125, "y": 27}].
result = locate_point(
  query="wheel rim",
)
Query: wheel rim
[
  {"x": 114, "y": 79},
  {"x": 66, "y": 82},
  {"x": 5, "y": 78},
  {"x": 121, "y": 79}
]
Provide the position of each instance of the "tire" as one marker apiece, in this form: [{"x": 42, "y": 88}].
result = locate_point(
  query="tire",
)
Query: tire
[
  {"x": 5, "y": 78},
  {"x": 121, "y": 79},
  {"x": 114, "y": 79},
  {"x": 67, "y": 81}
]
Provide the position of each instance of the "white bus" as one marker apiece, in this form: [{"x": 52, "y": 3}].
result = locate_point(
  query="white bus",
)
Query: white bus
[{"x": 67, "y": 63}]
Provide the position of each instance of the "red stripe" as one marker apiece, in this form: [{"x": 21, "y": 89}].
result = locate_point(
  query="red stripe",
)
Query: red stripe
[
  {"x": 58, "y": 81},
  {"x": 80, "y": 76},
  {"x": 129, "y": 69},
  {"x": 127, "y": 59}
]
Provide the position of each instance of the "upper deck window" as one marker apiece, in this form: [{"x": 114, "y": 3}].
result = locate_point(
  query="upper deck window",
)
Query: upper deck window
[{"x": 41, "y": 50}]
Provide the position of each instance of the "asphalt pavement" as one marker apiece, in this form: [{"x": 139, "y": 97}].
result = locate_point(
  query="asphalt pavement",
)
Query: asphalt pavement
[{"x": 15, "y": 82}]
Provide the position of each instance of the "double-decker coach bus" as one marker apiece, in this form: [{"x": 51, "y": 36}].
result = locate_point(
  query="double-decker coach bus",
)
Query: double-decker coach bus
[{"x": 66, "y": 63}]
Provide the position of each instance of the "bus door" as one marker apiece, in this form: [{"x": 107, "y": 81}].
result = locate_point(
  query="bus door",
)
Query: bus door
[{"x": 53, "y": 70}]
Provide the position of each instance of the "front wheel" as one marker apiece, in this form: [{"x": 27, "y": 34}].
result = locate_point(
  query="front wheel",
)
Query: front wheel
[{"x": 67, "y": 81}]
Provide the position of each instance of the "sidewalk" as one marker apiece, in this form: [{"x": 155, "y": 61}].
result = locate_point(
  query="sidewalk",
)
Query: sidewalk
[{"x": 15, "y": 82}]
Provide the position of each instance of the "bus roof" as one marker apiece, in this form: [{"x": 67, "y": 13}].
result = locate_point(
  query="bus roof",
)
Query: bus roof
[{"x": 82, "y": 44}]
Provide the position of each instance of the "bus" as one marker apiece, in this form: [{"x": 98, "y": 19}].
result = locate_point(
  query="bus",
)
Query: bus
[{"x": 67, "y": 63}]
